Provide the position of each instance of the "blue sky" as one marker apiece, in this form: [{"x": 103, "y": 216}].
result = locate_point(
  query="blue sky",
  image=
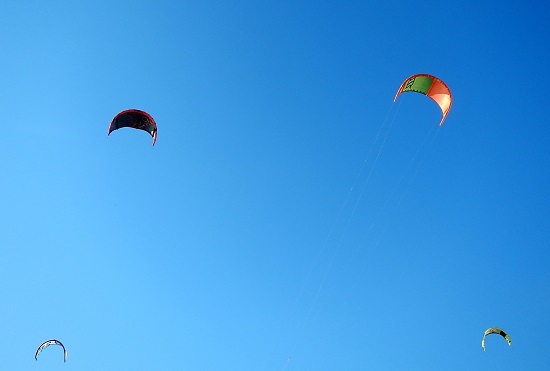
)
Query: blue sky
[{"x": 289, "y": 208}]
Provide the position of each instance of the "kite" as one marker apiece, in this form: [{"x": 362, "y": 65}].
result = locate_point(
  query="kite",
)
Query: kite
[
  {"x": 50, "y": 342},
  {"x": 432, "y": 87},
  {"x": 136, "y": 119},
  {"x": 495, "y": 330}
]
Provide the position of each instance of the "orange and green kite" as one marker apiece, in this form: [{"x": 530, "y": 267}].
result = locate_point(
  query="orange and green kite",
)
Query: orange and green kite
[{"x": 432, "y": 87}]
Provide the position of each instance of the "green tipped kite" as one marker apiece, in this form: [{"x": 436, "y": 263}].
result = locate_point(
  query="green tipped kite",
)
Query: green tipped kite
[
  {"x": 432, "y": 87},
  {"x": 495, "y": 330}
]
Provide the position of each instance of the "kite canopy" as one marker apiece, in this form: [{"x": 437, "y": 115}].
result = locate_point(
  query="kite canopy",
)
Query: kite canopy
[
  {"x": 136, "y": 119},
  {"x": 432, "y": 87},
  {"x": 495, "y": 330},
  {"x": 50, "y": 342}
]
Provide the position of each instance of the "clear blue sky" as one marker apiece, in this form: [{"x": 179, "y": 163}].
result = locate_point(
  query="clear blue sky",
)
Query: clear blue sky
[{"x": 289, "y": 208}]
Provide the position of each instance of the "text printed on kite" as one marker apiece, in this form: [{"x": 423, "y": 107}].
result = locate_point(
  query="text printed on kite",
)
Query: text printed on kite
[
  {"x": 432, "y": 87},
  {"x": 498, "y": 331},
  {"x": 48, "y": 343},
  {"x": 134, "y": 118}
]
